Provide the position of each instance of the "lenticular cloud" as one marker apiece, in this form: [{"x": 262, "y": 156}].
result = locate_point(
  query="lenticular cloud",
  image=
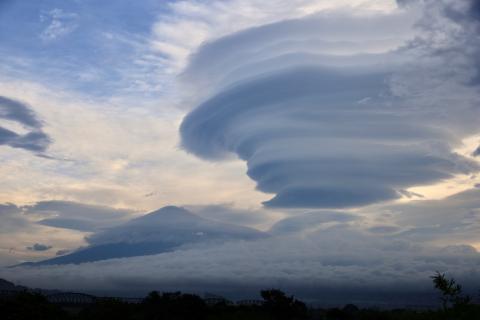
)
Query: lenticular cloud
[{"x": 331, "y": 110}]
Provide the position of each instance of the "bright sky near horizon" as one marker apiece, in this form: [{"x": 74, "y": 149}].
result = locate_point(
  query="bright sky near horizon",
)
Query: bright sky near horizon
[{"x": 245, "y": 111}]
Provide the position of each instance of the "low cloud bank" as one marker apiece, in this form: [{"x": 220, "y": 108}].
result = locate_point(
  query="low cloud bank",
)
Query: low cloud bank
[{"x": 338, "y": 259}]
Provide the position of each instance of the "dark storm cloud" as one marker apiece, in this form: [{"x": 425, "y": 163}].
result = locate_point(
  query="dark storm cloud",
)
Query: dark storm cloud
[
  {"x": 35, "y": 140},
  {"x": 324, "y": 125},
  {"x": 39, "y": 247}
]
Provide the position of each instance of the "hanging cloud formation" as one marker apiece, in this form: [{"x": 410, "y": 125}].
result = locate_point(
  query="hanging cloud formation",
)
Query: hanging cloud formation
[
  {"x": 35, "y": 139},
  {"x": 334, "y": 110}
]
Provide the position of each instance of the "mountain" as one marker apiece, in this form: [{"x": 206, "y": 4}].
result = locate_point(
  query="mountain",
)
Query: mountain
[
  {"x": 6, "y": 285},
  {"x": 168, "y": 229}
]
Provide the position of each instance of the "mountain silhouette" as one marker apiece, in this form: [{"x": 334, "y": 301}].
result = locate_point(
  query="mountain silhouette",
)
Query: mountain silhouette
[{"x": 165, "y": 230}]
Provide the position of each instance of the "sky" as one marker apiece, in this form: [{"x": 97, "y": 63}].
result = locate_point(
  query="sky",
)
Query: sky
[{"x": 345, "y": 131}]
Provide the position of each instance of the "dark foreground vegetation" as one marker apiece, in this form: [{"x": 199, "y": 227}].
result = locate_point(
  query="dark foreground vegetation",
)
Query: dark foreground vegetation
[{"x": 275, "y": 305}]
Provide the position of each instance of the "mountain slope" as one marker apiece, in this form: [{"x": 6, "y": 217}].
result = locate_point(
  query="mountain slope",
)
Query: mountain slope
[{"x": 168, "y": 229}]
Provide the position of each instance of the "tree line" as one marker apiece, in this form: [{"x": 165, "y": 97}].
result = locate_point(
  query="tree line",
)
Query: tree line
[{"x": 276, "y": 305}]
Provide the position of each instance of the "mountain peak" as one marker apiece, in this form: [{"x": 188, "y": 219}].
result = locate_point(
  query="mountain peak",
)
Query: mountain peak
[
  {"x": 164, "y": 230},
  {"x": 167, "y": 210},
  {"x": 167, "y": 214}
]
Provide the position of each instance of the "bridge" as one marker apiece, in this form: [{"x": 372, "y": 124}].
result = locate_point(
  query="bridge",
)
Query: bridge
[{"x": 71, "y": 298}]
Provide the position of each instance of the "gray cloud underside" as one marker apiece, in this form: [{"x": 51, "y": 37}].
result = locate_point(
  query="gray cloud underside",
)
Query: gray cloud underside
[
  {"x": 476, "y": 153},
  {"x": 321, "y": 126},
  {"x": 35, "y": 140},
  {"x": 17, "y": 111},
  {"x": 228, "y": 214},
  {"x": 11, "y": 218},
  {"x": 455, "y": 219},
  {"x": 310, "y": 221},
  {"x": 72, "y": 224},
  {"x": 39, "y": 247},
  {"x": 76, "y": 216}
]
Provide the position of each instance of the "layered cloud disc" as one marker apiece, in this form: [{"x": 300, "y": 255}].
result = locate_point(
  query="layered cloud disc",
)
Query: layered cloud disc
[{"x": 323, "y": 110}]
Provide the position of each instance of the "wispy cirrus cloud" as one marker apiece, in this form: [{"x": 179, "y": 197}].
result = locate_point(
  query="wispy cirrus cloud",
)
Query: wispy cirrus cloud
[{"x": 59, "y": 24}]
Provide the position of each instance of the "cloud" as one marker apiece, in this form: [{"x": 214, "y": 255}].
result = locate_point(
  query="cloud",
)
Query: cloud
[
  {"x": 172, "y": 225},
  {"x": 60, "y": 24},
  {"x": 333, "y": 117},
  {"x": 8, "y": 209},
  {"x": 61, "y": 224},
  {"x": 455, "y": 219},
  {"x": 76, "y": 216},
  {"x": 311, "y": 221},
  {"x": 73, "y": 224},
  {"x": 229, "y": 214},
  {"x": 384, "y": 229},
  {"x": 476, "y": 153},
  {"x": 321, "y": 256},
  {"x": 11, "y": 217},
  {"x": 168, "y": 229},
  {"x": 19, "y": 113},
  {"x": 39, "y": 247},
  {"x": 62, "y": 252},
  {"x": 338, "y": 260}
]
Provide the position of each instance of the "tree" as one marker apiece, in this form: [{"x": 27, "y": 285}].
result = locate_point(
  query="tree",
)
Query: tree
[
  {"x": 451, "y": 291},
  {"x": 26, "y": 306},
  {"x": 282, "y": 307},
  {"x": 173, "y": 306}
]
